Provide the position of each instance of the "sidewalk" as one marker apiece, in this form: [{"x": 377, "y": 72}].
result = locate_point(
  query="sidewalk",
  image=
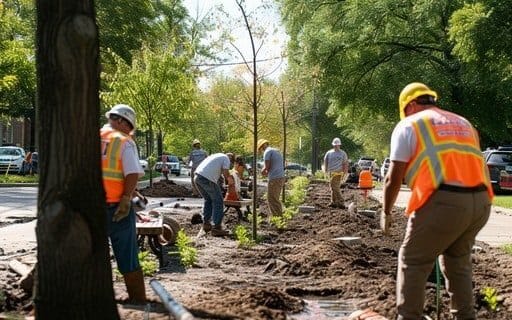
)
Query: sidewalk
[{"x": 497, "y": 231}]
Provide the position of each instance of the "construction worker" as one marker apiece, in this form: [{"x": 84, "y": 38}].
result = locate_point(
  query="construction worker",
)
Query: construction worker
[
  {"x": 274, "y": 169},
  {"x": 438, "y": 153},
  {"x": 336, "y": 167},
  {"x": 195, "y": 157},
  {"x": 121, "y": 171},
  {"x": 207, "y": 177}
]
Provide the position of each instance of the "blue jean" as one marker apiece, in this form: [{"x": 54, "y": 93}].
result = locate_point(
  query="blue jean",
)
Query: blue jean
[
  {"x": 123, "y": 237},
  {"x": 213, "y": 202}
]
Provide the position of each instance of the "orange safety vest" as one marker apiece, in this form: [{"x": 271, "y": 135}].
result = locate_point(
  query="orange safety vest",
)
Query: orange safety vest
[
  {"x": 112, "y": 142},
  {"x": 447, "y": 152}
]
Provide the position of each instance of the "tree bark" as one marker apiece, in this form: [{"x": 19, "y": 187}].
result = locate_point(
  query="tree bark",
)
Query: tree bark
[{"x": 74, "y": 276}]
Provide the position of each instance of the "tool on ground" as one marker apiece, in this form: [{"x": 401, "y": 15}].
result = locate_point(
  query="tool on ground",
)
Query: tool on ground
[{"x": 176, "y": 309}]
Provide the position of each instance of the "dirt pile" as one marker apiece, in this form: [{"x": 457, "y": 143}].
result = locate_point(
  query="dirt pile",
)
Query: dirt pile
[{"x": 166, "y": 188}]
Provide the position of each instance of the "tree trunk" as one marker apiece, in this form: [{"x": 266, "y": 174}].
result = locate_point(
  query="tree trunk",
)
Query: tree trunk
[{"x": 74, "y": 276}]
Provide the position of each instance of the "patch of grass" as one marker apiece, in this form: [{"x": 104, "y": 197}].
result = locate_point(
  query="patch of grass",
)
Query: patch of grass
[
  {"x": 15, "y": 178},
  {"x": 503, "y": 201},
  {"x": 507, "y": 248},
  {"x": 188, "y": 254}
]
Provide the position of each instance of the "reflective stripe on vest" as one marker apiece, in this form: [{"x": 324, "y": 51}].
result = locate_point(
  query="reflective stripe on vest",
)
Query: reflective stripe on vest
[
  {"x": 435, "y": 162},
  {"x": 112, "y": 169}
]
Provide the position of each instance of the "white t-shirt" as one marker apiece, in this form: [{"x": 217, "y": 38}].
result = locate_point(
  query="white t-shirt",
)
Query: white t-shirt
[
  {"x": 335, "y": 160},
  {"x": 130, "y": 159},
  {"x": 211, "y": 167},
  {"x": 403, "y": 139}
]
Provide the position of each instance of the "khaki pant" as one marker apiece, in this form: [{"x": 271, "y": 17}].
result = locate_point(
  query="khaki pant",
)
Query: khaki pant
[
  {"x": 447, "y": 226},
  {"x": 335, "y": 184},
  {"x": 275, "y": 186}
]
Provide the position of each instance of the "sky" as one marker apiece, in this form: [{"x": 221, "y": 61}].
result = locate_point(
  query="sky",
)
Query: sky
[{"x": 273, "y": 45}]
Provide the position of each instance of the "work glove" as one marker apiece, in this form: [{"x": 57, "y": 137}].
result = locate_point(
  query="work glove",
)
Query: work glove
[
  {"x": 123, "y": 209},
  {"x": 385, "y": 222}
]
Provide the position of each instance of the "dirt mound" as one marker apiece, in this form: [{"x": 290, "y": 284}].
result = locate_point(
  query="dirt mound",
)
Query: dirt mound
[{"x": 166, "y": 188}]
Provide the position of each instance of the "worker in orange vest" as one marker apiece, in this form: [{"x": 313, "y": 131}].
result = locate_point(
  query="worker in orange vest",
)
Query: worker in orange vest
[
  {"x": 121, "y": 170},
  {"x": 438, "y": 153}
]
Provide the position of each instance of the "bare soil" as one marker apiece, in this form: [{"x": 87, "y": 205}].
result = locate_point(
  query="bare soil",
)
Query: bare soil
[{"x": 296, "y": 272}]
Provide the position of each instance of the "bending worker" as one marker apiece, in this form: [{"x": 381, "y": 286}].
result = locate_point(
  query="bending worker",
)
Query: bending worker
[
  {"x": 121, "y": 171},
  {"x": 438, "y": 153}
]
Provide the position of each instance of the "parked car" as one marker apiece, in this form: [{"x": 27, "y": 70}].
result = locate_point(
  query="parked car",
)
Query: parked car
[
  {"x": 294, "y": 169},
  {"x": 173, "y": 164},
  {"x": 497, "y": 161},
  {"x": 365, "y": 163},
  {"x": 384, "y": 167},
  {"x": 11, "y": 159},
  {"x": 144, "y": 164}
]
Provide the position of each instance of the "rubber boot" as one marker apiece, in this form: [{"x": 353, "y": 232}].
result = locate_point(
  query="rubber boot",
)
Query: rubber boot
[{"x": 135, "y": 286}]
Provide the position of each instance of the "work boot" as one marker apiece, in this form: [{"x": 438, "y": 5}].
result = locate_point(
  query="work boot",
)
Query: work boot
[
  {"x": 134, "y": 282},
  {"x": 341, "y": 206},
  {"x": 217, "y": 231},
  {"x": 207, "y": 226}
]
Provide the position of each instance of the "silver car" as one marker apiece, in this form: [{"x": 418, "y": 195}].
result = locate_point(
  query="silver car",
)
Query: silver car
[{"x": 11, "y": 159}]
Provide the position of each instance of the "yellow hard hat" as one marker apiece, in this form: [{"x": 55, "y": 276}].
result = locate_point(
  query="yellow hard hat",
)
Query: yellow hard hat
[
  {"x": 261, "y": 142},
  {"x": 411, "y": 92}
]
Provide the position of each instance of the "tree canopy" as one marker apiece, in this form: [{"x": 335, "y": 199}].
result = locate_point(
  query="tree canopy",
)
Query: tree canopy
[{"x": 367, "y": 51}]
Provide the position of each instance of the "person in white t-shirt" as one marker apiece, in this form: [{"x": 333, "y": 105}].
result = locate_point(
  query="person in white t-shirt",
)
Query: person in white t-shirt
[
  {"x": 336, "y": 167},
  {"x": 206, "y": 178}
]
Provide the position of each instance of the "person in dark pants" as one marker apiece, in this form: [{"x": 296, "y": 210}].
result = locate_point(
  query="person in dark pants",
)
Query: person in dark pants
[
  {"x": 438, "y": 153},
  {"x": 207, "y": 178},
  {"x": 121, "y": 170}
]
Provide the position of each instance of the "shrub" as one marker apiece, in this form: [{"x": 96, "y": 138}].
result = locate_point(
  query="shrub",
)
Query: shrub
[{"x": 188, "y": 254}]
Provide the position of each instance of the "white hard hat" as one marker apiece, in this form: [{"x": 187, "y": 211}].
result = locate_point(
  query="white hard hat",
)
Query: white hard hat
[
  {"x": 124, "y": 111},
  {"x": 336, "y": 142},
  {"x": 196, "y": 141}
]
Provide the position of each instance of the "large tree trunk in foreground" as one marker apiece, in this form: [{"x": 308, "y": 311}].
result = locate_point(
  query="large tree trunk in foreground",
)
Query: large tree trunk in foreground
[{"x": 74, "y": 276}]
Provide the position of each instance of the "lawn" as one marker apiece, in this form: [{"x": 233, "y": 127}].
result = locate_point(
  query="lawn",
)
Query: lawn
[
  {"x": 16, "y": 178},
  {"x": 503, "y": 201}
]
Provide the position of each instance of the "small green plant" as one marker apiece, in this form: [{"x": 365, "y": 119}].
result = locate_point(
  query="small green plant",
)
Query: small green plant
[
  {"x": 490, "y": 297},
  {"x": 320, "y": 175},
  {"x": 188, "y": 254},
  {"x": 147, "y": 263},
  {"x": 243, "y": 237},
  {"x": 507, "y": 248},
  {"x": 279, "y": 222},
  {"x": 258, "y": 219}
]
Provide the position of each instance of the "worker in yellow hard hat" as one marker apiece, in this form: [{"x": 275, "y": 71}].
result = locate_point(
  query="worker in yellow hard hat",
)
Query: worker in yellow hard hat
[
  {"x": 438, "y": 153},
  {"x": 195, "y": 157}
]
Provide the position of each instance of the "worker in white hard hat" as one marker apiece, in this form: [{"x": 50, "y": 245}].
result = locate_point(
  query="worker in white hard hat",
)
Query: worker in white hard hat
[
  {"x": 121, "y": 171},
  {"x": 196, "y": 156},
  {"x": 336, "y": 167}
]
